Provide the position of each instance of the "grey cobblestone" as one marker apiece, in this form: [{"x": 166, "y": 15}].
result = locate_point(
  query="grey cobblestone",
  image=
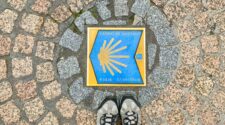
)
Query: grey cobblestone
[
  {"x": 85, "y": 18},
  {"x": 102, "y": 9},
  {"x": 156, "y": 19},
  {"x": 165, "y": 36},
  {"x": 160, "y": 26},
  {"x": 68, "y": 67},
  {"x": 146, "y": 95},
  {"x": 168, "y": 57},
  {"x": 71, "y": 40},
  {"x": 140, "y": 7},
  {"x": 121, "y": 8},
  {"x": 161, "y": 77},
  {"x": 78, "y": 92},
  {"x": 115, "y": 22},
  {"x": 152, "y": 48}
]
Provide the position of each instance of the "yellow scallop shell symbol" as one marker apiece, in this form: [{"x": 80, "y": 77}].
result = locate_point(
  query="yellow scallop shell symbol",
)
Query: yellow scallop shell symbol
[{"x": 107, "y": 56}]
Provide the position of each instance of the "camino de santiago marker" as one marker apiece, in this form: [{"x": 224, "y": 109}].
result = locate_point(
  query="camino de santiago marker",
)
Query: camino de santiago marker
[{"x": 116, "y": 56}]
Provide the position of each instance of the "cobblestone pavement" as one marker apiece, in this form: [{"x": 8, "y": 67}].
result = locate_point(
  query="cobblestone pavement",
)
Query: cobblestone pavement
[{"x": 43, "y": 60}]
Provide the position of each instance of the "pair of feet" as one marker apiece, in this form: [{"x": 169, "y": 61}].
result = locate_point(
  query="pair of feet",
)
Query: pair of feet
[{"x": 128, "y": 110}]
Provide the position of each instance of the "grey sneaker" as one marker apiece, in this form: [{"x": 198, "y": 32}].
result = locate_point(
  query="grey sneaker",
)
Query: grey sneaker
[
  {"x": 130, "y": 111},
  {"x": 108, "y": 112}
]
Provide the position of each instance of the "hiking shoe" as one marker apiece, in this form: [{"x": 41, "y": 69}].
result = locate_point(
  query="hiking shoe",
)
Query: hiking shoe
[
  {"x": 130, "y": 111},
  {"x": 108, "y": 112}
]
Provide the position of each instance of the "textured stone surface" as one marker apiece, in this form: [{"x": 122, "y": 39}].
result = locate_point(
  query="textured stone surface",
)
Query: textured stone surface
[
  {"x": 204, "y": 85},
  {"x": 51, "y": 90},
  {"x": 155, "y": 110},
  {"x": 45, "y": 72},
  {"x": 66, "y": 107},
  {"x": 146, "y": 94},
  {"x": 222, "y": 40},
  {"x": 7, "y": 18},
  {"x": 214, "y": 4},
  {"x": 61, "y": 13},
  {"x": 85, "y": 18},
  {"x": 222, "y": 62},
  {"x": 85, "y": 117},
  {"x": 99, "y": 96},
  {"x": 3, "y": 69},
  {"x": 203, "y": 22},
  {"x": 190, "y": 54},
  {"x": 186, "y": 31},
  {"x": 31, "y": 23},
  {"x": 156, "y": 19},
  {"x": 185, "y": 76},
  {"x": 102, "y": 9},
  {"x": 175, "y": 117},
  {"x": 160, "y": 2},
  {"x": 17, "y": 4},
  {"x": 121, "y": 8},
  {"x": 160, "y": 26},
  {"x": 50, "y": 28},
  {"x": 190, "y": 103},
  {"x": 218, "y": 100},
  {"x": 5, "y": 91},
  {"x": 78, "y": 5},
  {"x": 22, "y": 67},
  {"x": 219, "y": 20},
  {"x": 168, "y": 58},
  {"x": 138, "y": 21},
  {"x": 49, "y": 119},
  {"x": 34, "y": 109},
  {"x": 140, "y": 7},
  {"x": 161, "y": 77},
  {"x": 173, "y": 11},
  {"x": 115, "y": 22},
  {"x": 78, "y": 92},
  {"x": 152, "y": 48},
  {"x": 211, "y": 65},
  {"x": 210, "y": 44},
  {"x": 22, "y": 122},
  {"x": 26, "y": 89},
  {"x": 68, "y": 67},
  {"x": 71, "y": 40},
  {"x": 23, "y": 44},
  {"x": 41, "y": 6},
  {"x": 222, "y": 78},
  {"x": 5, "y": 44},
  {"x": 171, "y": 94},
  {"x": 165, "y": 36},
  {"x": 45, "y": 50},
  {"x": 209, "y": 116},
  {"x": 9, "y": 113}
]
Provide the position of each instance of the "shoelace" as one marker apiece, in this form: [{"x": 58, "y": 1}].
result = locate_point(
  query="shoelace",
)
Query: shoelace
[
  {"x": 131, "y": 118},
  {"x": 108, "y": 119}
]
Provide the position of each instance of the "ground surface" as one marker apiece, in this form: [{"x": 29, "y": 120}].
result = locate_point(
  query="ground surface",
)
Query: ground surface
[{"x": 43, "y": 60}]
